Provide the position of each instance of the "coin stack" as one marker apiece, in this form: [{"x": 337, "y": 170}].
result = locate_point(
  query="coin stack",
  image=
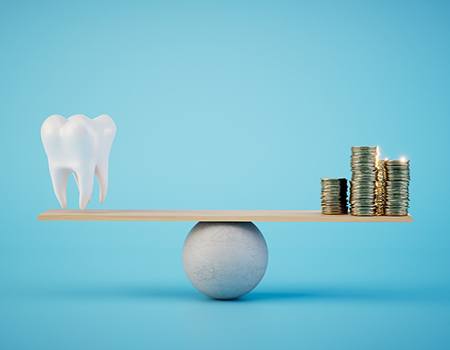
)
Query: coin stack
[
  {"x": 362, "y": 190},
  {"x": 397, "y": 187},
  {"x": 334, "y": 196},
  {"x": 380, "y": 188}
]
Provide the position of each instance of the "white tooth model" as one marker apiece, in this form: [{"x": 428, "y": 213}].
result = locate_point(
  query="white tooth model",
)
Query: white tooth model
[{"x": 81, "y": 146}]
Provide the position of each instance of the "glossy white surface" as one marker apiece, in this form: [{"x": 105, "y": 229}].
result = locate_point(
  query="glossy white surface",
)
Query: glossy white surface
[{"x": 80, "y": 146}]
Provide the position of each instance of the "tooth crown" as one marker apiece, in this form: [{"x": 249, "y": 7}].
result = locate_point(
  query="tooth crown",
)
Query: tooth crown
[{"x": 81, "y": 146}]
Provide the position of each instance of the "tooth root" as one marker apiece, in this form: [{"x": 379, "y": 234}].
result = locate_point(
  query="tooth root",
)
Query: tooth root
[
  {"x": 75, "y": 177},
  {"x": 59, "y": 180},
  {"x": 102, "y": 175},
  {"x": 85, "y": 182}
]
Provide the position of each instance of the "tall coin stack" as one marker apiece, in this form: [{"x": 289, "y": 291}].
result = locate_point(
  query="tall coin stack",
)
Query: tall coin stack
[
  {"x": 334, "y": 196},
  {"x": 380, "y": 188},
  {"x": 364, "y": 170},
  {"x": 397, "y": 187}
]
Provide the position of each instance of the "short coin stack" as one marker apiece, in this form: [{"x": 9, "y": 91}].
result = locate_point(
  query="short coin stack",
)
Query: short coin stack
[
  {"x": 334, "y": 196},
  {"x": 362, "y": 191},
  {"x": 380, "y": 189},
  {"x": 397, "y": 187}
]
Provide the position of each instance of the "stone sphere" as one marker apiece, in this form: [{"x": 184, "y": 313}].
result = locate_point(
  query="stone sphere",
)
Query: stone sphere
[{"x": 225, "y": 260}]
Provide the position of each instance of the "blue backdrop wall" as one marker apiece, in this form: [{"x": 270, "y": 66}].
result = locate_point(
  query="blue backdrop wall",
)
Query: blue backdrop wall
[{"x": 233, "y": 105}]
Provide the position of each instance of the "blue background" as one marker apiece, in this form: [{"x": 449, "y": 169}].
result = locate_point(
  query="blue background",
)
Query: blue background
[{"x": 226, "y": 105}]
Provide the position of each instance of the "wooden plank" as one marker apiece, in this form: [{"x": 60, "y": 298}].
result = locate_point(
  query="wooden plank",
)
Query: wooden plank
[{"x": 211, "y": 215}]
